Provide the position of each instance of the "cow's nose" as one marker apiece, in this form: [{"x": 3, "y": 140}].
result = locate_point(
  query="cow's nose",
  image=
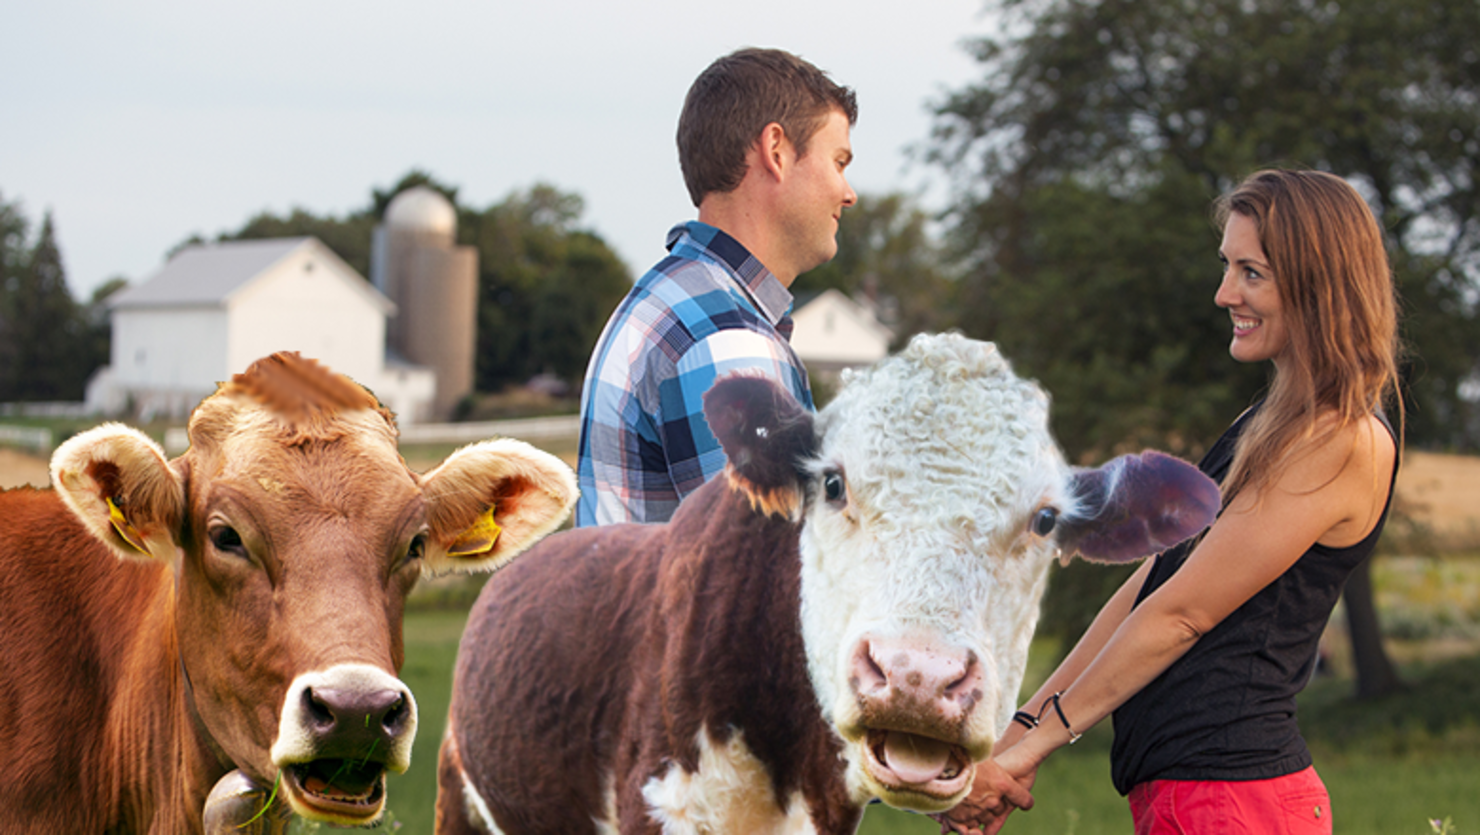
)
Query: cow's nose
[
  {"x": 349, "y": 721},
  {"x": 912, "y": 674}
]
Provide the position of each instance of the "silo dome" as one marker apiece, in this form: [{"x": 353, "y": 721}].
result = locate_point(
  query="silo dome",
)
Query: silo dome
[{"x": 421, "y": 209}]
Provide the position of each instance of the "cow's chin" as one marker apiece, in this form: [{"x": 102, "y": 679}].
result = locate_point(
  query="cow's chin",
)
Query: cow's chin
[
  {"x": 341, "y": 792},
  {"x": 914, "y": 772}
]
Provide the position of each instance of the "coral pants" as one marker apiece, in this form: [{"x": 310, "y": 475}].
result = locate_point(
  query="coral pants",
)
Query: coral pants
[{"x": 1295, "y": 804}]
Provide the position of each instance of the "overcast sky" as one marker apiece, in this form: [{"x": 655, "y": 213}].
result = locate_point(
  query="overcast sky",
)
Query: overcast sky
[{"x": 139, "y": 123}]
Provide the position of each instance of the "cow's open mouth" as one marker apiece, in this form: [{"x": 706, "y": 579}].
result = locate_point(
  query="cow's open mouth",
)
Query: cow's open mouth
[
  {"x": 907, "y": 764},
  {"x": 348, "y": 792}
]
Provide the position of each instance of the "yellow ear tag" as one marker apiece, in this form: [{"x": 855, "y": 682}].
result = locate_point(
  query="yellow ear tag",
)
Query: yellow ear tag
[
  {"x": 121, "y": 524},
  {"x": 478, "y": 539}
]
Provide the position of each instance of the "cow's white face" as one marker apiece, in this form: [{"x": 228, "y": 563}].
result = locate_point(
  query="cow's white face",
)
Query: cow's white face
[
  {"x": 932, "y": 500},
  {"x": 921, "y": 566}
]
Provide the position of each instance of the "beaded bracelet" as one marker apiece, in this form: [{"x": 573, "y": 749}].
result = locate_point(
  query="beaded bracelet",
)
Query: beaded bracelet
[{"x": 1054, "y": 700}]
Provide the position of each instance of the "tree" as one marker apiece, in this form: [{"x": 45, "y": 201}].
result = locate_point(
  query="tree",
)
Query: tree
[
  {"x": 1087, "y": 156},
  {"x": 13, "y": 257},
  {"x": 349, "y": 236},
  {"x": 46, "y": 347},
  {"x": 545, "y": 288}
]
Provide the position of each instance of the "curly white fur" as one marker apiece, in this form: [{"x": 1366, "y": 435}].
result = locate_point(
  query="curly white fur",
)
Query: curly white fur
[{"x": 946, "y": 456}]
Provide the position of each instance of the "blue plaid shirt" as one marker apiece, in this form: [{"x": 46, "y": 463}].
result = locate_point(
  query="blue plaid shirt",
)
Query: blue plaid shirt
[{"x": 707, "y": 309}]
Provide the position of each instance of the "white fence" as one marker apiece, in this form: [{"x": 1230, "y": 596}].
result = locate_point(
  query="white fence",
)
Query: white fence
[
  {"x": 29, "y": 437},
  {"x": 525, "y": 429}
]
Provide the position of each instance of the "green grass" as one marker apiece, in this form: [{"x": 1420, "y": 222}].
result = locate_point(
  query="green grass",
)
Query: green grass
[
  {"x": 431, "y": 648},
  {"x": 1391, "y": 765}
]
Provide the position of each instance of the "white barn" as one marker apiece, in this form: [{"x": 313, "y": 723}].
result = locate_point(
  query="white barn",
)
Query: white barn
[{"x": 215, "y": 308}]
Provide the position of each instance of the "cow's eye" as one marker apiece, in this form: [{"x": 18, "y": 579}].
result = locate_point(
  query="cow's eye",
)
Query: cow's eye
[
  {"x": 225, "y": 538},
  {"x": 418, "y": 548},
  {"x": 833, "y": 488},
  {"x": 1044, "y": 521}
]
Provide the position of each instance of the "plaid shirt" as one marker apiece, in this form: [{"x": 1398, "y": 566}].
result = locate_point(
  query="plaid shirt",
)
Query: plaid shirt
[{"x": 707, "y": 309}]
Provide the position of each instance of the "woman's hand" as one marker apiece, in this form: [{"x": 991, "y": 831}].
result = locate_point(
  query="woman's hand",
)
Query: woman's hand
[{"x": 994, "y": 795}]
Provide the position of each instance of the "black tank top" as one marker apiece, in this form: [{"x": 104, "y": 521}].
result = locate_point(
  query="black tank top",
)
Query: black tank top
[{"x": 1226, "y": 709}]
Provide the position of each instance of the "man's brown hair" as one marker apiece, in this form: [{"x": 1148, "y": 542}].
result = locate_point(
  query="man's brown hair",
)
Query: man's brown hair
[{"x": 735, "y": 98}]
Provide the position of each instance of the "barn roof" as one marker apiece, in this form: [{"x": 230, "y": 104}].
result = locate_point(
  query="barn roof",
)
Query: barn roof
[{"x": 206, "y": 275}]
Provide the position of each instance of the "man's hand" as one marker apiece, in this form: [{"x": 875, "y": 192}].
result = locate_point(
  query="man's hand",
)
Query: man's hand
[{"x": 994, "y": 795}]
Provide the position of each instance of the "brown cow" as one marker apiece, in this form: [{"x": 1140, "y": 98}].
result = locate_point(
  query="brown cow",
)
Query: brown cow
[
  {"x": 844, "y": 616},
  {"x": 232, "y": 618}
]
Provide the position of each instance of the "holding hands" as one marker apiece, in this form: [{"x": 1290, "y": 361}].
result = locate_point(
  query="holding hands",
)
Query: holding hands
[{"x": 1002, "y": 784}]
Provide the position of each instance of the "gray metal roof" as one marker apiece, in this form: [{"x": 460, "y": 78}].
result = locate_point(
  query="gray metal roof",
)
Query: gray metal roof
[{"x": 207, "y": 274}]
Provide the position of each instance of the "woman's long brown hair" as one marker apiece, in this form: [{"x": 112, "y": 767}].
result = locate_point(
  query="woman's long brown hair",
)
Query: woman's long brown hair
[{"x": 1336, "y": 291}]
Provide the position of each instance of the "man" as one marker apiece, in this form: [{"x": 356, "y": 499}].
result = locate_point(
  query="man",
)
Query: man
[{"x": 763, "y": 142}]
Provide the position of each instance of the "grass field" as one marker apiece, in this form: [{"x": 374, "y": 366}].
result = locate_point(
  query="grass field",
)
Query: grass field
[{"x": 1390, "y": 765}]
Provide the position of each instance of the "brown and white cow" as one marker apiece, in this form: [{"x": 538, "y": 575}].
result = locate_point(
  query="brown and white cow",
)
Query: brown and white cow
[
  {"x": 231, "y": 619},
  {"x": 845, "y": 616}
]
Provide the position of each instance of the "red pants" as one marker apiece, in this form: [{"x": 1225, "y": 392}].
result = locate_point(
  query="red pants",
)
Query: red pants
[{"x": 1295, "y": 804}]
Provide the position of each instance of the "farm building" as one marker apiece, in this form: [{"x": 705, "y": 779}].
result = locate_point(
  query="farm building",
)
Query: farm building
[
  {"x": 214, "y": 308},
  {"x": 834, "y": 332}
]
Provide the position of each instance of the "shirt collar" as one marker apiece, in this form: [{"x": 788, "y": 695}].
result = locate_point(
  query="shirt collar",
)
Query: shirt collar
[{"x": 764, "y": 289}]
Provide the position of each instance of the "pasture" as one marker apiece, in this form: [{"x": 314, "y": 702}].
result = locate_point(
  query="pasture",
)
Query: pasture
[{"x": 1391, "y": 765}]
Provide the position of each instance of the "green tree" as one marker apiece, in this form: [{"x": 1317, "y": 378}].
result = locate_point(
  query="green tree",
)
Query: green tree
[
  {"x": 348, "y": 236},
  {"x": 1089, "y": 151},
  {"x": 46, "y": 348},
  {"x": 545, "y": 288},
  {"x": 14, "y": 256}
]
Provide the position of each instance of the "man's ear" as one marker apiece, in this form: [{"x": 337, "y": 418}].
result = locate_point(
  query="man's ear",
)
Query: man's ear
[
  {"x": 118, "y": 483},
  {"x": 774, "y": 151}
]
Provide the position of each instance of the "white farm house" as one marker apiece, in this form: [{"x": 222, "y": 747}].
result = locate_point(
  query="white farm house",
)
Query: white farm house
[{"x": 215, "y": 308}]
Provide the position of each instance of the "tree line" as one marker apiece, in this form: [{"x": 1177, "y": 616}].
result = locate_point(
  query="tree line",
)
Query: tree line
[{"x": 50, "y": 344}]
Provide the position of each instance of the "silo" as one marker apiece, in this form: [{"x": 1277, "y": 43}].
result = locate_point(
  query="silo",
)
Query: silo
[{"x": 434, "y": 284}]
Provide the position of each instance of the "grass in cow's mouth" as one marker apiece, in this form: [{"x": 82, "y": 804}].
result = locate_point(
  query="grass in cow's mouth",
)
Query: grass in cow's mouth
[
  {"x": 277, "y": 781},
  {"x": 342, "y": 781}
]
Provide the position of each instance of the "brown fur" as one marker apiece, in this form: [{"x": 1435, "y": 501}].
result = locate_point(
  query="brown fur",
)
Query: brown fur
[
  {"x": 131, "y": 686},
  {"x": 616, "y": 646}
]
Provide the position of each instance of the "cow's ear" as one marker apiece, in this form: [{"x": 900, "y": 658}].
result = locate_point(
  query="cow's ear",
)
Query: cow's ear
[
  {"x": 767, "y": 436},
  {"x": 490, "y": 500},
  {"x": 120, "y": 484},
  {"x": 1135, "y": 506}
]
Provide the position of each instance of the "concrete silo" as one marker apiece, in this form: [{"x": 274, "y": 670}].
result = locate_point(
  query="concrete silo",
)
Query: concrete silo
[{"x": 434, "y": 284}]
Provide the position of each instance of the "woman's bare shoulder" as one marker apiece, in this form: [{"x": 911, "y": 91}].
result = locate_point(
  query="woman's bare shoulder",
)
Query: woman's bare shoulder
[{"x": 1352, "y": 466}]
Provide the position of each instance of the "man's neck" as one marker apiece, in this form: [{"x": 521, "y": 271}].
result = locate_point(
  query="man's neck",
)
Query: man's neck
[{"x": 744, "y": 222}]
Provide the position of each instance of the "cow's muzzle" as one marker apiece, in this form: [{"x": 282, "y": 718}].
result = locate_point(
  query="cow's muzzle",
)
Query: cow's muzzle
[
  {"x": 915, "y": 705},
  {"x": 341, "y": 730}
]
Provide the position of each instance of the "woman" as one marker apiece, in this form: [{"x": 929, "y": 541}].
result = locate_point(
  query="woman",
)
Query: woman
[{"x": 1201, "y": 653}]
